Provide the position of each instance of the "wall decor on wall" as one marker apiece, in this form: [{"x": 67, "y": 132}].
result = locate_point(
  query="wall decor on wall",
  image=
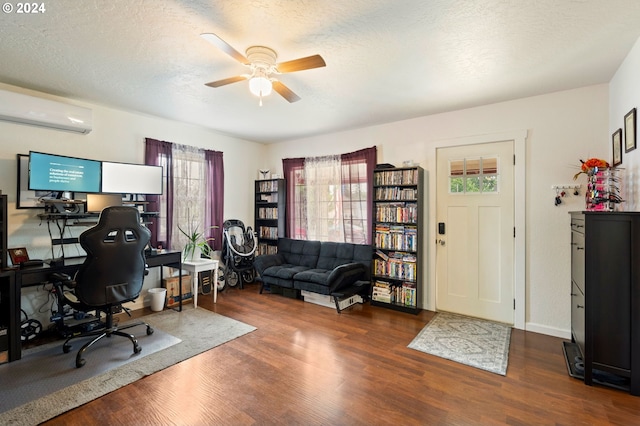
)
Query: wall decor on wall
[
  {"x": 630, "y": 131},
  {"x": 616, "y": 140}
]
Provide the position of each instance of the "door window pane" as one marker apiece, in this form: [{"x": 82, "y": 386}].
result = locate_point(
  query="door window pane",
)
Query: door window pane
[
  {"x": 472, "y": 184},
  {"x": 456, "y": 185},
  {"x": 472, "y": 166},
  {"x": 456, "y": 168},
  {"x": 474, "y": 175},
  {"x": 489, "y": 166},
  {"x": 490, "y": 183}
]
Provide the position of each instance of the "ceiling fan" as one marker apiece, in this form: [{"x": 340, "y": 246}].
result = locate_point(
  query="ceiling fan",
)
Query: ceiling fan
[{"x": 262, "y": 64}]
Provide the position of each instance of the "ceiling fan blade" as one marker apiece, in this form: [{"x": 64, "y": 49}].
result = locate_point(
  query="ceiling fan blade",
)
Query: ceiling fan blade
[
  {"x": 225, "y": 47},
  {"x": 301, "y": 64},
  {"x": 226, "y": 81},
  {"x": 285, "y": 92}
]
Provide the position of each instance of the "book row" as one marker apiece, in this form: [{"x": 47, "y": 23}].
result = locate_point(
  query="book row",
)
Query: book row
[
  {"x": 396, "y": 193},
  {"x": 395, "y": 268},
  {"x": 269, "y": 198},
  {"x": 268, "y": 186},
  {"x": 266, "y": 249},
  {"x": 268, "y": 232},
  {"x": 404, "y": 294},
  {"x": 396, "y": 237},
  {"x": 403, "y": 213},
  {"x": 268, "y": 213},
  {"x": 396, "y": 177}
]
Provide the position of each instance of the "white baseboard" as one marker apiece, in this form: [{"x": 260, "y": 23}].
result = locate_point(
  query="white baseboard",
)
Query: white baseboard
[{"x": 550, "y": 331}]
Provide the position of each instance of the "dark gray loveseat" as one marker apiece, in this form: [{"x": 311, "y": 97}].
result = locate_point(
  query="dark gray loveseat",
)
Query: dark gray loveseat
[{"x": 318, "y": 267}]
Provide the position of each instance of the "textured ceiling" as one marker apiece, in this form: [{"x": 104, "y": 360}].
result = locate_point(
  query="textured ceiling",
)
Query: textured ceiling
[{"x": 386, "y": 60}]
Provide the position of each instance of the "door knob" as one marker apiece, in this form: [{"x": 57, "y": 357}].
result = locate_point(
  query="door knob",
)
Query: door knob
[{"x": 441, "y": 242}]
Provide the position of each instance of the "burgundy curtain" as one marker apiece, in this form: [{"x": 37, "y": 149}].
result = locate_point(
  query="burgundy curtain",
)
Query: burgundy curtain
[
  {"x": 291, "y": 166},
  {"x": 214, "y": 212},
  {"x": 357, "y": 223},
  {"x": 158, "y": 153}
]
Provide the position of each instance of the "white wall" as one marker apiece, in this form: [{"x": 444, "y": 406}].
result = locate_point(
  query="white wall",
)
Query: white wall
[
  {"x": 117, "y": 136},
  {"x": 562, "y": 128},
  {"x": 624, "y": 95}
]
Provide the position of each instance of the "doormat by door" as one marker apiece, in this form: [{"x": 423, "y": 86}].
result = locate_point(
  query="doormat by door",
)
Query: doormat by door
[{"x": 471, "y": 341}]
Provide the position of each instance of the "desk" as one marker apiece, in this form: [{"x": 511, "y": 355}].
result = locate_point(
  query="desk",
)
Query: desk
[
  {"x": 29, "y": 277},
  {"x": 197, "y": 266}
]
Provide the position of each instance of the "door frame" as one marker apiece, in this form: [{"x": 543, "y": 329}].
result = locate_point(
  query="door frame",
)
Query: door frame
[{"x": 519, "y": 139}]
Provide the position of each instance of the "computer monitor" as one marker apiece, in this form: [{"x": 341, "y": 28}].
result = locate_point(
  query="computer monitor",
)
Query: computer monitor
[
  {"x": 98, "y": 202},
  {"x": 50, "y": 172},
  {"x": 125, "y": 178}
]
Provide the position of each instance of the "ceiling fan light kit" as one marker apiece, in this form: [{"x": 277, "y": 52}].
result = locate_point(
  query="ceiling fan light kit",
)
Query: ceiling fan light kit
[
  {"x": 261, "y": 61},
  {"x": 260, "y": 86}
]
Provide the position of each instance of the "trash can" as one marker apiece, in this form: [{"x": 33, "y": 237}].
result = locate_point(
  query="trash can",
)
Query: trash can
[{"x": 158, "y": 296}]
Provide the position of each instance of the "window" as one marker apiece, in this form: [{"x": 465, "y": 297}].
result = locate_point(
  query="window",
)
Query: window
[
  {"x": 193, "y": 193},
  {"x": 474, "y": 176},
  {"x": 328, "y": 197},
  {"x": 189, "y": 189}
]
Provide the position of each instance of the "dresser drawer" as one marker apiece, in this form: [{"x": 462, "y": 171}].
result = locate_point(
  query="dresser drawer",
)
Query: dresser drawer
[
  {"x": 577, "y": 223},
  {"x": 577, "y": 259},
  {"x": 577, "y": 316}
]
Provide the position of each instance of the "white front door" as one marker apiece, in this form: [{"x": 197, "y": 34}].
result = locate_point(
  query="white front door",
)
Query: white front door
[{"x": 475, "y": 230}]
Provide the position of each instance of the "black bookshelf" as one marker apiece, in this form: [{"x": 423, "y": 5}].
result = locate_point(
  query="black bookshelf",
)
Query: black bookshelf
[
  {"x": 397, "y": 240},
  {"x": 270, "y": 200}
]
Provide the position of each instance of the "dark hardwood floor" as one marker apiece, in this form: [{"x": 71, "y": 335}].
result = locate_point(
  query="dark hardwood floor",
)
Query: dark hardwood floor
[{"x": 307, "y": 365}]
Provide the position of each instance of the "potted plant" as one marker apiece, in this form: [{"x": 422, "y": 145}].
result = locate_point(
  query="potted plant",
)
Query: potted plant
[{"x": 197, "y": 243}]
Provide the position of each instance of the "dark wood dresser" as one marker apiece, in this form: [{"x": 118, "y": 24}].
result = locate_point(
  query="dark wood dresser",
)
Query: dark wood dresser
[{"x": 605, "y": 293}]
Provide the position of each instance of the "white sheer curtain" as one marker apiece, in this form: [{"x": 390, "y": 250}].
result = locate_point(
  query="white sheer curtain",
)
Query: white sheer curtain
[
  {"x": 324, "y": 198},
  {"x": 189, "y": 192},
  {"x": 329, "y": 198}
]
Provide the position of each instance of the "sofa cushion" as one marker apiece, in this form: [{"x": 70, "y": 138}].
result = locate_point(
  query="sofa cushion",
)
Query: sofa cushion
[
  {"x": 299, "y": 252},
  {"x": 285, "y": 272},
  {"x": 318, "y": 276},
  {"x": 277, "y": 282},
  {"x": 282, "y": 275},
  {"x": 333, "y": 255}
]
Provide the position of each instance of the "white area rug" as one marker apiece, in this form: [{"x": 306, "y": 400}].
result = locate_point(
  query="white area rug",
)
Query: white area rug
[
  {"x": 193, "y": 331},
  {"x": 471, "y": 341}
]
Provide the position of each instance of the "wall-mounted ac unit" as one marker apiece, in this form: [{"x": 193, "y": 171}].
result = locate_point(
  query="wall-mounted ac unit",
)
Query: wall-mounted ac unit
[{"x": 25, "y": 109}]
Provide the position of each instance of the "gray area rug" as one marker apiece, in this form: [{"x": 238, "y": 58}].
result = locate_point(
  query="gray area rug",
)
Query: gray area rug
[
  {"x": 184, "y": 335},
  {"x": 471, "y": 341}
]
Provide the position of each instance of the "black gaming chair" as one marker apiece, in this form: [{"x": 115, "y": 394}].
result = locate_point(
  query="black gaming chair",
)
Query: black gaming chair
[{"x": 112, "y": 274}]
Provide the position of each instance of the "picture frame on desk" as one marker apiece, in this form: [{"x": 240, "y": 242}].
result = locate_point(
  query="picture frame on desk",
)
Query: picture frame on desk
[
  {"x": 25, "y": 198},
  {"x": 18, "y": 255}
]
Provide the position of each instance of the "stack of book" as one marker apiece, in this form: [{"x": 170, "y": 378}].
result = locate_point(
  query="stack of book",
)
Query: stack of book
[{"x": 382, "y": 292}]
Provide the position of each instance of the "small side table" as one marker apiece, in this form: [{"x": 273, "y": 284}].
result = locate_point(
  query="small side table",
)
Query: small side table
[{"x": 197, "y": 266}]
